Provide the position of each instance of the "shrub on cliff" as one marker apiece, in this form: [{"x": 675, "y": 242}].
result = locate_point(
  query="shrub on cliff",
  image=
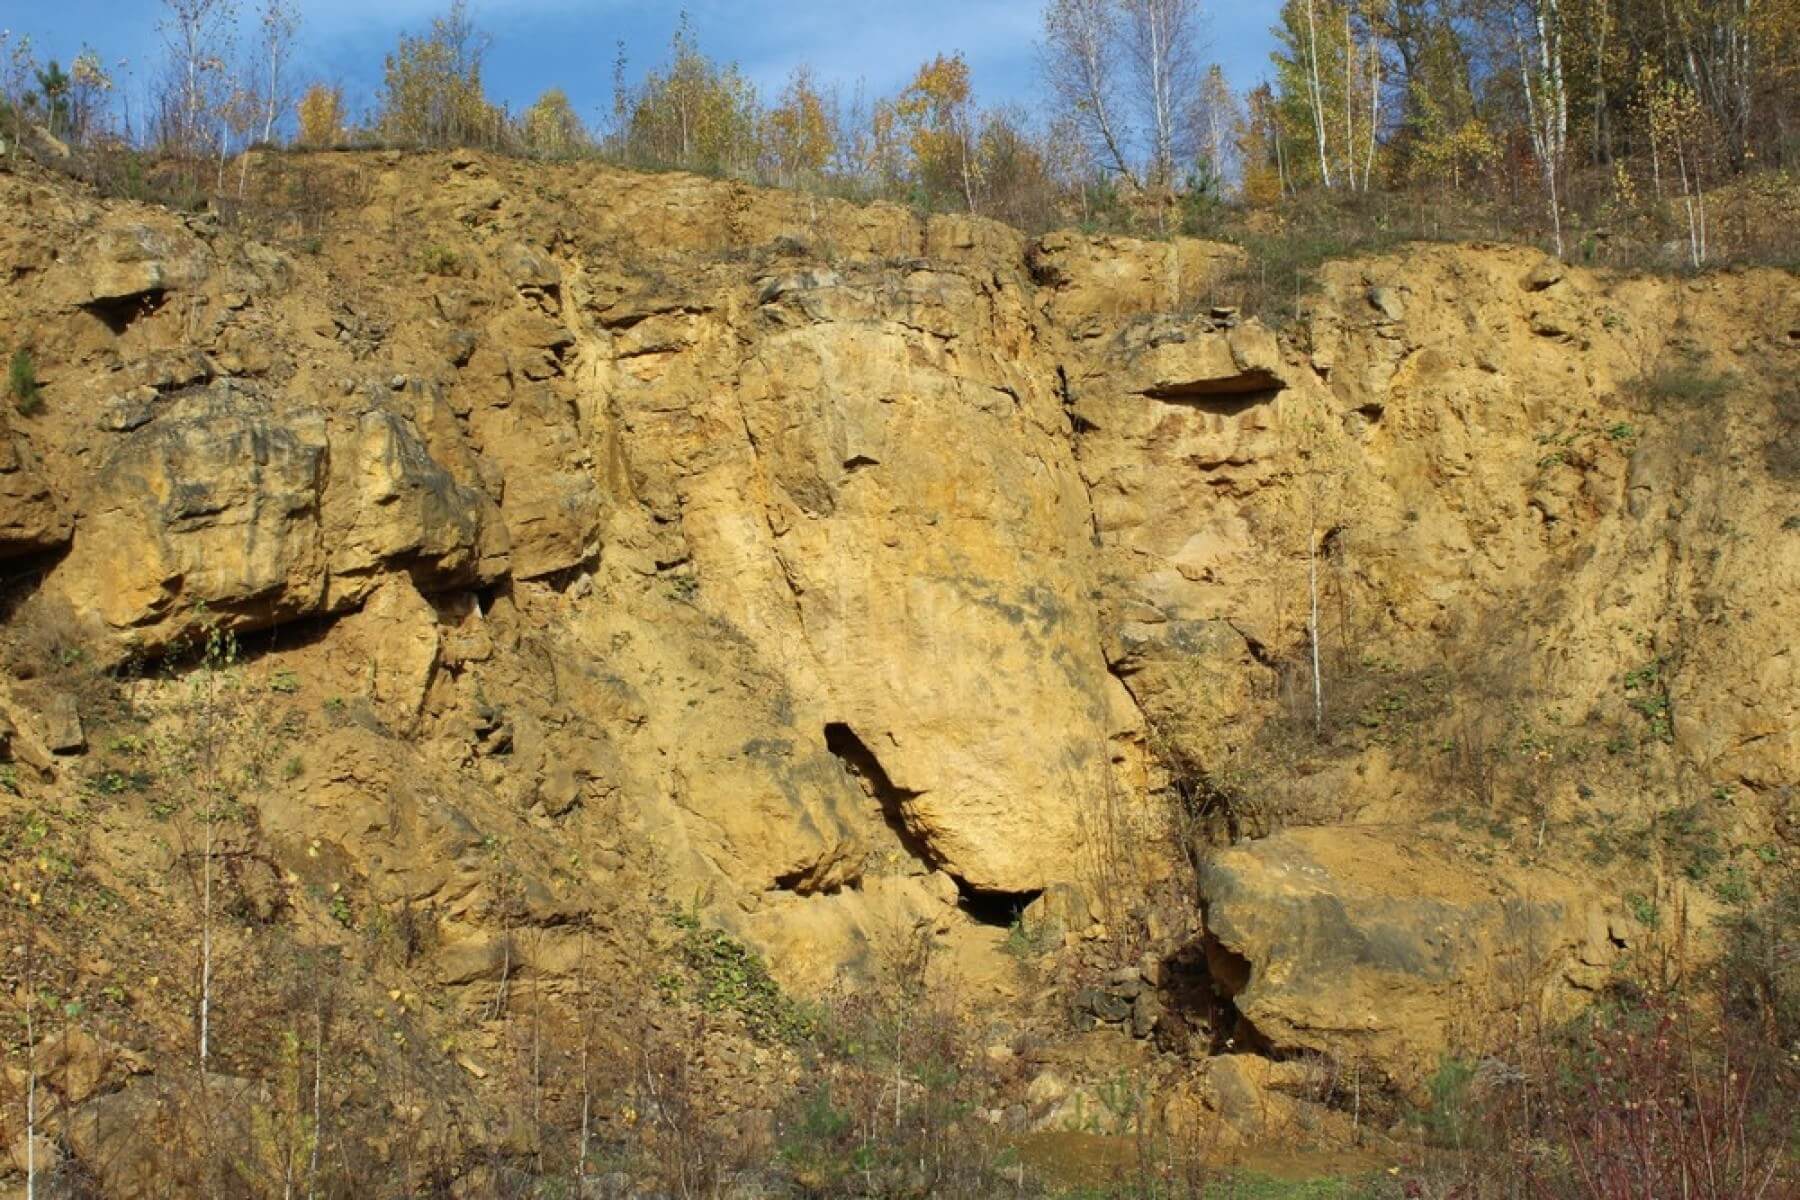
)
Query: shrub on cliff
[{"x": 22, "y": 382}]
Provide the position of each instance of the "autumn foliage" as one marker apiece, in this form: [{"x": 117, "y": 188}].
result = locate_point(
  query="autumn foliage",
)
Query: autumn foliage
[
  {"x": 1559, "y": 121},
  {"x": 321, "y": 114}
]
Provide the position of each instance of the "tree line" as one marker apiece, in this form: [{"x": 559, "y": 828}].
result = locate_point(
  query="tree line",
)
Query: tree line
[{"x": 1550, "y": 102}]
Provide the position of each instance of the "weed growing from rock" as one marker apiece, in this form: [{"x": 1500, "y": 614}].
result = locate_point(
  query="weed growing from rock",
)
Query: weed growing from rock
[{"x": 22, "y": 383}]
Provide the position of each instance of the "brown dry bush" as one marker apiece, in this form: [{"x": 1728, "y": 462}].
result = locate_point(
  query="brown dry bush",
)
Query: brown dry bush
[
  {"x": 1656, "y": 1091},
  {"x": 42, "y": 638},
  {"x": 297, "y": 199},
  {"x": 1645, "y": 1097}
]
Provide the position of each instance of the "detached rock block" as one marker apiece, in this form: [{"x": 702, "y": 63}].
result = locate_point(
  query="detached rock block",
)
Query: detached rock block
[
  {"x": 138, "y": 259},
  {"x": 59, "y": 721},
  {"x": 224, "y": 510},
  {"x": 397, "y": 631},
  {"x": 1341, "y": 938}
]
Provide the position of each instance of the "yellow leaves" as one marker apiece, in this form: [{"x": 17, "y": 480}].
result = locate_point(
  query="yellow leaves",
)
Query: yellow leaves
[
  {"x": 1673, "y": 110},
  {"x": 934, "y": 112},
  {"x": 1449, "y": 155},
  {"x": 321, "y": 114},
  {"x": 1625, "y": 193},
  {"x": 87, "y": 71},
  {"x": 694, "y": 114},
  {"x": 798, "y": 129},
  {"x": 550, "y": 126},
  {"x": 938, "y": 91},
  {"x": 1258, "y": 129},
  {"x": 432, "y": 91},
  {"x": 1262, "y": 185}
]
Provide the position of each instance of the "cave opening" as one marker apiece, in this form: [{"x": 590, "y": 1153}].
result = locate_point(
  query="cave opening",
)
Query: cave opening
[
  {"x": 1201, "y": 982},
  {"x": 861, "y": 764},
  {"x": 119, "y": 313},
  {"x": 988, "y": 906}
]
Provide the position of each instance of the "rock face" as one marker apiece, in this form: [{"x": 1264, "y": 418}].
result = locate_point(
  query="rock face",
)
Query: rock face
[
  {"x": 835, "y": 570},
  {"x": 129, "y": 261},
  {"x": 32, "y": 519},
  {"x": 929, "y": 602}
]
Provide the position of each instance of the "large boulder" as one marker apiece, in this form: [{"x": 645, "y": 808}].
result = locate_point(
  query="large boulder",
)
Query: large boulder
[
  {"x": 227, "y": 510},
  {"x": 1372, "y": 943},
  {"x": 389, "y": 504},
  {"x": 131, "y": 258}
]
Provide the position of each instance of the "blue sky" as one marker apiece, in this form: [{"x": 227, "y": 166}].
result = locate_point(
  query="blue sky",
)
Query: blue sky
[{"x": 570, "y": 43}]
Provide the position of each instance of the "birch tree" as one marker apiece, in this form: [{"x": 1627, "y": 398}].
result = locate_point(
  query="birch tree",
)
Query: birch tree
[
  {"x": 693, "y": 113},
  {"x": 1315, "y": 90},
  {"x": 88, "y": 85},
  {"x": 278, "y": 24},
  {"x": 1678, "y": 127},
  {"x": 1324, "y": 494},
  {"x": 196, "y": 36},
  {"x": 550, "y": 127},
  {"x": 1537, "y": 36},
  {"x": 1331, "y": 75},
  {"x": 31, "y": 898},
  {"x": 1080, "y": 63},
  {"x": 937, "y": 113},
  {"x": 321, "y": 115},
  {"x": 1160, "y": 41},
  {"x": 193, "y": 757},
  {"x": 1216, "y": 117},
  {"x": 432, "y": 90},
  {"x": 799, "y": 135}
]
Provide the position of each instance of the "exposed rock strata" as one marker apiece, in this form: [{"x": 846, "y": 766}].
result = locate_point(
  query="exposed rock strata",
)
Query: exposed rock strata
[{"x": 853, "y": 562}]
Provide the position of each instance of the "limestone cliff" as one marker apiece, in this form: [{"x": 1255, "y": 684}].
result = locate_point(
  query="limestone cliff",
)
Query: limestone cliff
[{"x": 832, "y": 569}]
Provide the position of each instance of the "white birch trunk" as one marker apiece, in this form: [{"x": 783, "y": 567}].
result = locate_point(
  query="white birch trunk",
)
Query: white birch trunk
[
  {"x": 1312, "y": 625},
  {"x": 1541, "y": 115},
  {"x": 206, "y": 924},
  {"x": 318, "y": 1105},
  {"x": 1318, "y": 99},
  {"x": 1159, "y": 95},
  {"x": 30, "y": 1084},
  {"x": 1349, "y": 103},
  {"x": 270, "y": 108},
  {"x": 1374, "y": 108}
]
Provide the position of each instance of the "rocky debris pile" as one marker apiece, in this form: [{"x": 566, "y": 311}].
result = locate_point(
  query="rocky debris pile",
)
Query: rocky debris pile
[{"x": 1124, "y": 1000}]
